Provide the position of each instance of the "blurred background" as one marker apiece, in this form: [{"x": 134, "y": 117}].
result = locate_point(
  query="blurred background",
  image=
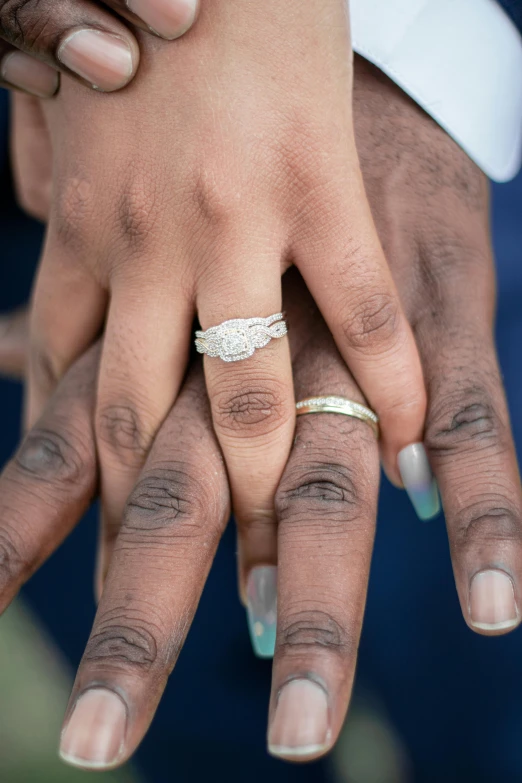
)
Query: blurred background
[{"x": 433, "y": 702}]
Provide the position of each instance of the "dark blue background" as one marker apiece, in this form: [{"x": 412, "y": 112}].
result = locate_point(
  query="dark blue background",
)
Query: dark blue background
[
  {"x": 455, "y": 698},
  {"x": 514, "y": 9}
]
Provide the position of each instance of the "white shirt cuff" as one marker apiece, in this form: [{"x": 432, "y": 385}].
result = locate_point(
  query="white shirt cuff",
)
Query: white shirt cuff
[{"x": 461, "y": 60}]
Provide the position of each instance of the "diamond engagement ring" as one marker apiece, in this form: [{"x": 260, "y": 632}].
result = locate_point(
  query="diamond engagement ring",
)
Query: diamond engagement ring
[
  {"x": 330, "y": 404},
  {"x": 239, "y": 338}
]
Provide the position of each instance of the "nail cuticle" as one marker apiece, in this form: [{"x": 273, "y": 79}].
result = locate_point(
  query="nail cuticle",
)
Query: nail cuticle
[{"x": 305, "y": 676}]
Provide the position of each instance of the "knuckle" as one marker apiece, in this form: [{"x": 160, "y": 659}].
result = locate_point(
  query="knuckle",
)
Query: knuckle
[
  {"x": 443, "y": 268},
  {"x": 48, "y": 455},
  {"x": 13, "y": 565},
  {"x": 444, "y": 256},
  {"x": 318, "y": 489},
  {"x": 490, "y": 519},
  {"x": 137, "y": 213},
  {"x": 121, "y": 430},
  {"x": 312, "y": 629},
  {"x": 24, "y": 24},
  {"x": 372, "y": 325},
  {"x": 129, "y": 644},
  {"x": 74, "y": 210},
  {"x": 214, "y": 195},
  {"x": 254, "y": 408},
  {"x": 463, "y": 420},
  {"x": 171, "y": 500}
]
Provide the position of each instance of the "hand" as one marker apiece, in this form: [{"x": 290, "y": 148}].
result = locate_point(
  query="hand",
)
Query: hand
[
  {"x": 466, "y": 487},
  {"x": 430, "y": 203},
  {"x": 326, "y": 506},
  {"x": 434, "y": 223},
  {"x": 162, "y": 215},
  {"x": 31, "y": 155},
  {"x": 81, "y": 38}
]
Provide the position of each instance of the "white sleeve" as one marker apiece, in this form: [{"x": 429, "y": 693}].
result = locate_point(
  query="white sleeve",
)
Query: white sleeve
[{"x": 461, "y": 60}]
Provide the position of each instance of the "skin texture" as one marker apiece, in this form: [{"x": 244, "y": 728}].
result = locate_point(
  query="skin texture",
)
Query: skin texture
[
  {"x": 173, "y": 521},
  {"x": 431, "y": 206},
  {"x": 44, "y": 47},
  {"x": 198, "y": 211}
]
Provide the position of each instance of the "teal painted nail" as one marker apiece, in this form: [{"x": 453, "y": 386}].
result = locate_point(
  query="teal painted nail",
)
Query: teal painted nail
[
  {"x": 262, "y": 609},
  {"x": 419, "y": 482}
]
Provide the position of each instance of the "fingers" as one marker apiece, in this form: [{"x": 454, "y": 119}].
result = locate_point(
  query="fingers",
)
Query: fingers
[
  {"x": 14, "y": 337},
  {"x": 171, "y": 529},
  {"x": 31, "y": 156},
  {"x": 50, "y": 482},
  {"x": 168, "y": 19},
  {"x": 26, "y": 73},
  {"x": 468, "y": 436},
  {"x": 143, "y": 364},
  {"x": 67, "y": 316},
  {"x": 326, "y": 509},
  {"x": 252, "y": 405},
  {"x": 78, "y": 38},
  {"x": 348, "y": 276}
]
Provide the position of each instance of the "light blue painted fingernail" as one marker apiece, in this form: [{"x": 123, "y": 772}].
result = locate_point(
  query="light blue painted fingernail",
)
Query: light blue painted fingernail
[
  {"x": 419, "y": 481},
  {"x": 262, "y": 609}
]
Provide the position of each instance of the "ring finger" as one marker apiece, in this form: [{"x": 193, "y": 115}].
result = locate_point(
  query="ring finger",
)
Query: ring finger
[
  {"x": 326, "y": 510},
  {"x": 252, "y": 399}
]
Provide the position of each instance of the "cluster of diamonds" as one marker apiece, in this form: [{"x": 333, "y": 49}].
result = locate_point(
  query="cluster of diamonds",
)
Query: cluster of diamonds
[{"x": 237, "y": 339}]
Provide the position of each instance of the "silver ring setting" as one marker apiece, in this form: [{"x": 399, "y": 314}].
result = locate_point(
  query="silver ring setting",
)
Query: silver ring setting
[
  {"x": 238, "y": 339},
  {"x": 331, "y": 404}
]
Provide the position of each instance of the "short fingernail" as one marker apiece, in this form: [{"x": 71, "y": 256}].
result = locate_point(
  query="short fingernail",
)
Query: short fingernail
[
  {"x": 102, "y": 59},
  {"x": 300, "y": 726},
  {"x": 29, "y": 74},
  {"x": 419, "y": 481},
  {"x": 262, "y": 609},
  {"x": 492, "y": 605},
  {"x": 95, "y": 733},
  {"x": 167, "y": 18}
]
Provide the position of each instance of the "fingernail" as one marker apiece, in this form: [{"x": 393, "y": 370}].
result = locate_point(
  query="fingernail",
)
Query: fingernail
[
  {"x": 492, "y": 605},
  {"x": 262, "y": 609},
  {"x": 94, "y": 735},
  {"x": 167, "y": 18},
  {"x": 300, "y": 726},
  {"x": 419, "y": 481},
  {"x": 102, "y": 59},
  {"x": 30, "y": 75}
]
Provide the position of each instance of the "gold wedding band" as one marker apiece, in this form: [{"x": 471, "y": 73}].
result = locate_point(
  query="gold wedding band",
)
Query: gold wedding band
[{"x": 339, "y": 405}]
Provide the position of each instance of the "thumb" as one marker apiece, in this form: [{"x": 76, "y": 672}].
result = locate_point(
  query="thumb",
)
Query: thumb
[{"x": 14, "y": 330}]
